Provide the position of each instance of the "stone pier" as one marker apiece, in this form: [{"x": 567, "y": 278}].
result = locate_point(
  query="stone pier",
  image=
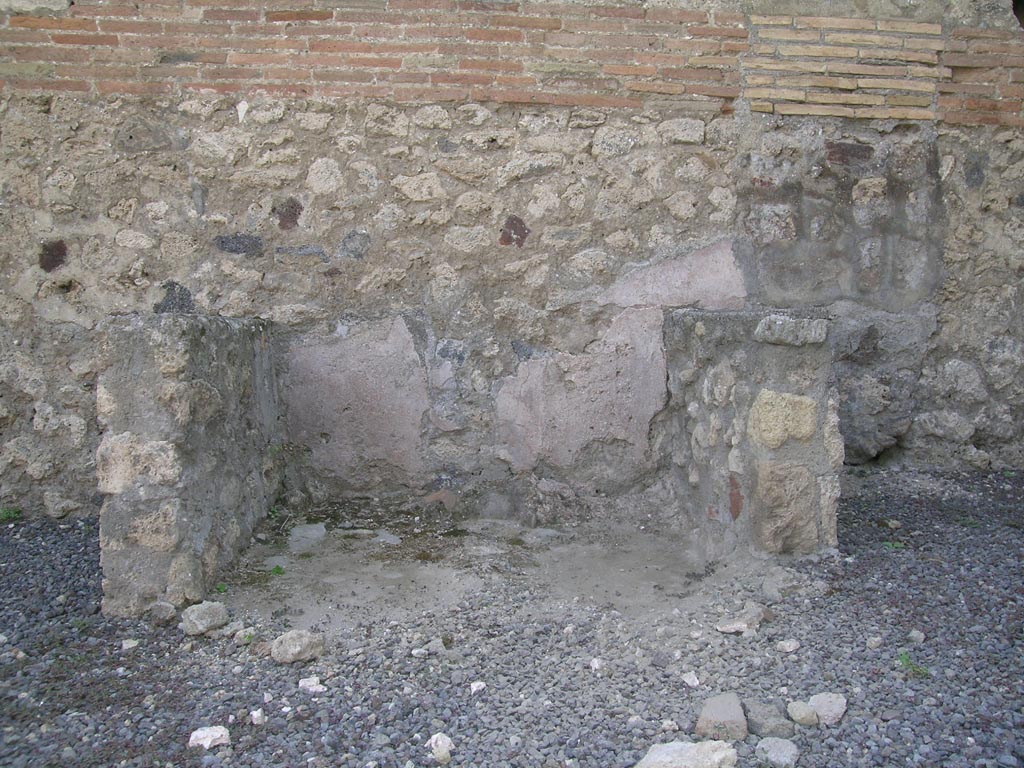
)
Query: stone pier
[{"x": 189, "y": 410}]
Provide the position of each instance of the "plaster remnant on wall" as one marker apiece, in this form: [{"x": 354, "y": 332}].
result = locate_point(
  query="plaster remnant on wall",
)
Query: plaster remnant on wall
[
  {"x": 358, "y": 402},
  {"x": 555, "y": 407},
  {"x": 708, "y": 278}
]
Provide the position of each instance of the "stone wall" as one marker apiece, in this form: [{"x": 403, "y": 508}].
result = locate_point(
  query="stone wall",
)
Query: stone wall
[
  {"x": 463, "y": 218},
  {"x": 48, "y": 430},
  {"x": 753, "y": 440},
  {"x": 188, "y": 406}
]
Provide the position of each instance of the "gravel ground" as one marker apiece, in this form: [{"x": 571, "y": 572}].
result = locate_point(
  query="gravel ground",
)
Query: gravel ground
[{"x": 940, "y": 554}]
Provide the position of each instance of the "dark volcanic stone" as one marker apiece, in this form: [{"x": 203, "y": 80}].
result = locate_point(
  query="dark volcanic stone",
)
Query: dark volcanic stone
[
  {"x": 248, "y": 245},
  {"x": 177, "y": 299},
  {"x": 52, "y": 255},
  {"x": 355, "y": 245}
]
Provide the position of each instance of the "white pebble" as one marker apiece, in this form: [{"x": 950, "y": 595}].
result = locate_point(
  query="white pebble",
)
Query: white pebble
[
  {"x": 207, "y": 738},
  {"x": 788, "y": 646},
  {"x": 596, "y": 664},
  {"x": 477, "y": 686},
  {"x": 874, "y": 642},
  {"x": 257, "y": 717},
  {"x": 915, "y": 636},
  {"x": 311, "y": 685},
  {"x": 441, "y": 747},
  {"x": 691, "y": 679},
  {"x": 127, "y": 645}
]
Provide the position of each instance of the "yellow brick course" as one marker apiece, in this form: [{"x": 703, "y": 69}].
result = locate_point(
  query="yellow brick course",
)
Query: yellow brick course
[
  {"x": 820, "y": 110},
  {"x": 804, "y": 35},
  {"x": 786, "y": 66},
  {"x": 863, "y": 99},
  {"x": 779, "y": 94},
  {"x": 833, "y": 23},
  {"x": 758, "y": 21},
  {"x": 899, "y": 113},
  {"x": 896, "y": 85},
  {"x": 910, "y": 27},
  {"x": 819, "y": 51},
  {"x": 851, "y": 38},
  {"x": 899, "y": 100}
]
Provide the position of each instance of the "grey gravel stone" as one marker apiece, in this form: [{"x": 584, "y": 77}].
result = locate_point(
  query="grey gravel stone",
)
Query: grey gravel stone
[
  {"x": 543, "y": 705},
  {"x": 765, "y": 719}
]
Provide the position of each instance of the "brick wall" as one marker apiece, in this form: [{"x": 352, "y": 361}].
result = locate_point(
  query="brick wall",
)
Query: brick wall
[{"x": 530, "y": 53}]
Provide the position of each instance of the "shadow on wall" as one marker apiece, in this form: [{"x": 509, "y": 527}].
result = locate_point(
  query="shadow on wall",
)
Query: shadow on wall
[{"x": 1018, "y": 11}]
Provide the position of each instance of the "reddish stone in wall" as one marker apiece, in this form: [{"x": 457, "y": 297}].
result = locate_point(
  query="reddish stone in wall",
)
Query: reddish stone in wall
[
  {"x": 735, "y": 497},
  {"x": 514, "y": 232}
]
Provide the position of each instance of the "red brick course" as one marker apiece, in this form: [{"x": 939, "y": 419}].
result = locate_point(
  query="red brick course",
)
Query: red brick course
[{"x": 522, "y": 52}]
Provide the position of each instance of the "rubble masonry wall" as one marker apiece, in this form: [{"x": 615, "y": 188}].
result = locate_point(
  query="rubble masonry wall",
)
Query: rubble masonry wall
[
  {"x": 188, "y": 458},
  {"x": 445, "y": 202}
]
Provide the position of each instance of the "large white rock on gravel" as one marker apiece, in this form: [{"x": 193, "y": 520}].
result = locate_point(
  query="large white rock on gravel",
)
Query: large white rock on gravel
[
  {"x": 777, "y": 753},
  {"x": 297, "y": 645},
  {"x": 210, "y": 737},
  {"x": 204, "y": 617},
  {"x": 722, "y": 718},
  {"x": 830, "y": 707},
  {"x": 688, "y": 754}
]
